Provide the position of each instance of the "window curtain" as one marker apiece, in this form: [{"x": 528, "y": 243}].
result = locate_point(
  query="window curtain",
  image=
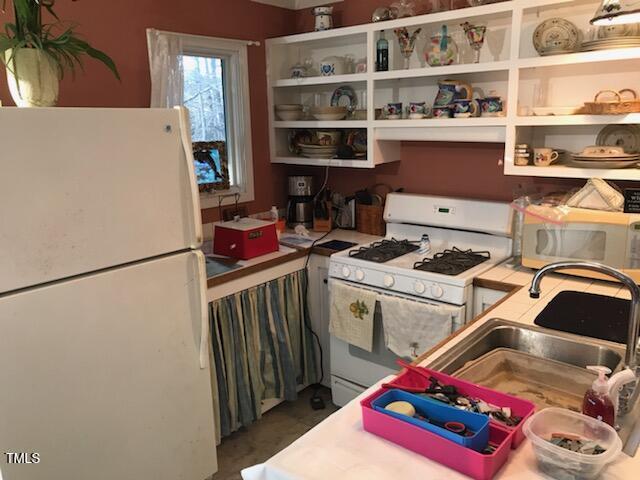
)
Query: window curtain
[
  {"x": 165, "y": 65},
  {"x": 261, "y": 348}
]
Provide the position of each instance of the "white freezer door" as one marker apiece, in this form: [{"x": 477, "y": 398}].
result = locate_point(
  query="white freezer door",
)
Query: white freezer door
[
  {"x": 94, "y": 188},
  {"x": 101, "y": 376}
]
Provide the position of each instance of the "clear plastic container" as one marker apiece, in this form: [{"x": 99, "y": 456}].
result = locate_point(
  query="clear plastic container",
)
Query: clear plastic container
[{"x": 563, "y": 464}]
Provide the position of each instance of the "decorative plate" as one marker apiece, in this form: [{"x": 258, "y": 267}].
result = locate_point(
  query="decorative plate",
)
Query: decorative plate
[
  {"x": 605, "y": 164},
  {"x": 625, "y": 136},
  {"x": 345, "y": 92},
  {"x": 609, "y": 43},
  {"x": 556, "y": 34}
]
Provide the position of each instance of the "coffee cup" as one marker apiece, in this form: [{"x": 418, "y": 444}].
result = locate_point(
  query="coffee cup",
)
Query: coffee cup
[
  {"x": 393, "y": 111},
  {"x": 418, "y": 110},
  {"x": 443, "y": 112},
  {"x": 491, "y": 106},
  {"x": 543, "y": 157},
  {"x": 465, "y": 108}
]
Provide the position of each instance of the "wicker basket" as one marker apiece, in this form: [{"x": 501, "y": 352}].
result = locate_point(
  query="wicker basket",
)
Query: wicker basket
[
  {"x": 618, "y": 106},
  {"x": 369, "y": 219}
]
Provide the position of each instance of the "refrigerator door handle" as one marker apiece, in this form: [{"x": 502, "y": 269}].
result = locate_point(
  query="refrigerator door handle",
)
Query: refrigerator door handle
[
  {"x": 185, "y": 136},
  {"x": 204, "y": 308}
]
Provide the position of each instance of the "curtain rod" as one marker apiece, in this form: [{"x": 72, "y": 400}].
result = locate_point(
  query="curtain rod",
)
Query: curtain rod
[{"x": 249, "y": 43}]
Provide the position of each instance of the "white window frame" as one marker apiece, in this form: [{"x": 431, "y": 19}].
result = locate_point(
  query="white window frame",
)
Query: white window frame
[{"x": 238, "y": 116}]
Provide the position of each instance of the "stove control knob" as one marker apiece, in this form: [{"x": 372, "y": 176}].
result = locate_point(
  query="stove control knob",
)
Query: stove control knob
[
  {"x": 419, "y": 287},
  {"x": 359, "y": 275},
  {"x": 389, "y": 281},
  {"x": 437, "y": 291},
  {"x": 346, "y": 272}
]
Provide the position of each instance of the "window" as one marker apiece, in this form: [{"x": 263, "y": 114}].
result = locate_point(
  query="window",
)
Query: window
[{"x": 208, "y": 76}]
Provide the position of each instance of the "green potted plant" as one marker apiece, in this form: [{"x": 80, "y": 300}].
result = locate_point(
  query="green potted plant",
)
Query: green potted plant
[{"x": 36, "y": 54}]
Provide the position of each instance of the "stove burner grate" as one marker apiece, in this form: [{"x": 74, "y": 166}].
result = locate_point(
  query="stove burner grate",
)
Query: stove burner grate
[
  {"x": 452, "y": 262},
  {"x": 383, "y": 251}
]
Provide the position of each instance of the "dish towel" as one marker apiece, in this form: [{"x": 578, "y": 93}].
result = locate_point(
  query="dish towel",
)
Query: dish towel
[
  {"x": 351, "y": 314},
  {"x": 411, "y": 328}
]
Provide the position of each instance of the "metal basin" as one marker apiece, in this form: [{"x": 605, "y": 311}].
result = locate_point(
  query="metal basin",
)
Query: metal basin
[
  {"x": 539, "y": 342},
  {"x": 567, "y": 351}
]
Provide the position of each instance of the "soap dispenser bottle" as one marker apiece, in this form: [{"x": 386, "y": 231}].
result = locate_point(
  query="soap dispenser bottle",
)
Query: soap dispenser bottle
[{"x": 596, "y": 402}]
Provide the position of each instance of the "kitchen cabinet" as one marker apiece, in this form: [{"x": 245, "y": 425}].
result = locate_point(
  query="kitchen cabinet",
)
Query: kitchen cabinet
[
  {"x": 509, "y": 65},
  {"x": 483, "y": 298},
  {"x": 318, "y": 298}
]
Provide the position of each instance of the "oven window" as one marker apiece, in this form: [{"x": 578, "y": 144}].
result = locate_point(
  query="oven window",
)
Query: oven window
[{"x": 578, "y": 244}]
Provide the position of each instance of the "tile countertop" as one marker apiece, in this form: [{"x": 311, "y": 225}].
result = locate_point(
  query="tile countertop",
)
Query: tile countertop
[
  {"x": 375, "y": 458},
  {"x": 283, "y": 255}
]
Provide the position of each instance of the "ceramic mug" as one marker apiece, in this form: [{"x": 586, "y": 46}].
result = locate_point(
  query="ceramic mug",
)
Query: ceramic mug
[
  {"x": 543, "y": 157},
  {"x": 332, "y": 66},
  {"x": 443, "y": 112},
  {"x": 418, "y": 110},
  {"x": 465, "y": 108},
  {"x": 490, "y": 106},
  {"x": 393, "y": 111}
]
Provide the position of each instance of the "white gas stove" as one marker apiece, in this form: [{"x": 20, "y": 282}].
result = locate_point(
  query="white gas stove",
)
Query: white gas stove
[{"x": 466, "y": 237}]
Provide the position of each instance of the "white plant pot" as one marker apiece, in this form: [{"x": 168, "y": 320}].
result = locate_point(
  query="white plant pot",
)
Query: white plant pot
[{"x": 33, "y": 78}]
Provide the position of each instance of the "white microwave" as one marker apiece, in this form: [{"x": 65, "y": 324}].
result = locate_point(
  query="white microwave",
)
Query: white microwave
[{"x": 611, "y": 238}]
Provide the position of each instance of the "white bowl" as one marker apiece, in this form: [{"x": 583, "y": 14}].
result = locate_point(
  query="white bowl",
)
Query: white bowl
[
  {"x": 289, "y": 115},
  {"x": 329, "y": 116},
  {"x": 288, "y": 107}
]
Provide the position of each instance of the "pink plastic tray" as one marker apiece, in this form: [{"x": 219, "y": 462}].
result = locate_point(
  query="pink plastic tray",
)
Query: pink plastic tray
[
  {"x": 435, "y": 447},
  {"x": 522, "y": 408}
]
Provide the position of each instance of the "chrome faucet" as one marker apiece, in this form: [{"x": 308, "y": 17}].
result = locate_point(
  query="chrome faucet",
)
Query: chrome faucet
[{"x": 629, "y": 392}]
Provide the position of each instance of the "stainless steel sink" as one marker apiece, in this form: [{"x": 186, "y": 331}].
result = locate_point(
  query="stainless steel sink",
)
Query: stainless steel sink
[
  {"x": 570, "y": 351},
  {"x": 540, "y": 342}
]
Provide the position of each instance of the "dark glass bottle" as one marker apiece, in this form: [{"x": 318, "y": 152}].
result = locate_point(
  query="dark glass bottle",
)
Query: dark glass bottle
[{"x": 382, "y": 53}]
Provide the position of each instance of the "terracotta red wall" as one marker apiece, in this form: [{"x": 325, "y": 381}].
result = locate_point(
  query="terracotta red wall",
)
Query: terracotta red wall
[
  {"x": 459, "y": 170},
  {"x": 118, "y": 27}
]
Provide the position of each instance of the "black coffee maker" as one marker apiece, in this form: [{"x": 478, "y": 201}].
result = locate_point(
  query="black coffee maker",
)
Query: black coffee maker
[{"x": 300, "y": 206}]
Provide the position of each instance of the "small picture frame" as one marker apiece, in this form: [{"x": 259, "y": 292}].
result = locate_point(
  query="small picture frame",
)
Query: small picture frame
[{"x": 211, "y": 165}]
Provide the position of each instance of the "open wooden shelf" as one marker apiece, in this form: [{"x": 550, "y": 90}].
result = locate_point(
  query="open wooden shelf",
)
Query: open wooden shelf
[
  {"x": 301, "y": 82},
  {"x": 509, "y": 65},
  {"x": 322, "y": 124}
]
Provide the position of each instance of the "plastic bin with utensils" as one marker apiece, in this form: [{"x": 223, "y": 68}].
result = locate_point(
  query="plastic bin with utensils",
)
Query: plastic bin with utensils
[
  {"x": 423, "y": 441},
  {"x": 420, "y": 379},
  {"x": 600, "y": 444}
]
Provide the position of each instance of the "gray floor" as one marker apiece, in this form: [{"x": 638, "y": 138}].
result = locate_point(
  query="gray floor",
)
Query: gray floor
[{"x": 277, "y": 429}]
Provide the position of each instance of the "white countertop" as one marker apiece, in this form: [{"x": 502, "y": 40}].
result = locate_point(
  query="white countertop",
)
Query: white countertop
[{"x": 339, "y": 447}]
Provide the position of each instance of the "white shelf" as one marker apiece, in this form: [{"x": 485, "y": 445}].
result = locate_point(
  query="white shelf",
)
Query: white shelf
[
  {"x": 320, "y": 36},
  {"x": 332, "y": 162},
  {"x": 568, "y": 78},
  {"x": 581, "y": 57},
  {"x": 450, "y": 15},
  {"x": 443, "y": 122},
  {"x": 443, "y": 71},
  {"x": 301, "y": 82},
  {"x": 322, "y": 124},
  {"x": 562, "y": 171},
  {"x": 577, "y": 120}
]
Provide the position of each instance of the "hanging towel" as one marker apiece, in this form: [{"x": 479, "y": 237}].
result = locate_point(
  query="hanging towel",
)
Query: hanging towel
[
  {"x": 351, "y": 314},
  {"x": 411, "y": 328}
]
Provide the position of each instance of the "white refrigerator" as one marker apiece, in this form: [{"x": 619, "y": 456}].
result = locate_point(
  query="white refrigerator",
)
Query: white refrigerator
[{"x": 104, "y": 354}]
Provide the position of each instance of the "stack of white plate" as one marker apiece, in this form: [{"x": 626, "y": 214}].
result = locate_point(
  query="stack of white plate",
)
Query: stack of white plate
[
  {"x": 318, "y": 151},
  {"x": 613, "y": 42},
  {"x": 604, "y": 157}
]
